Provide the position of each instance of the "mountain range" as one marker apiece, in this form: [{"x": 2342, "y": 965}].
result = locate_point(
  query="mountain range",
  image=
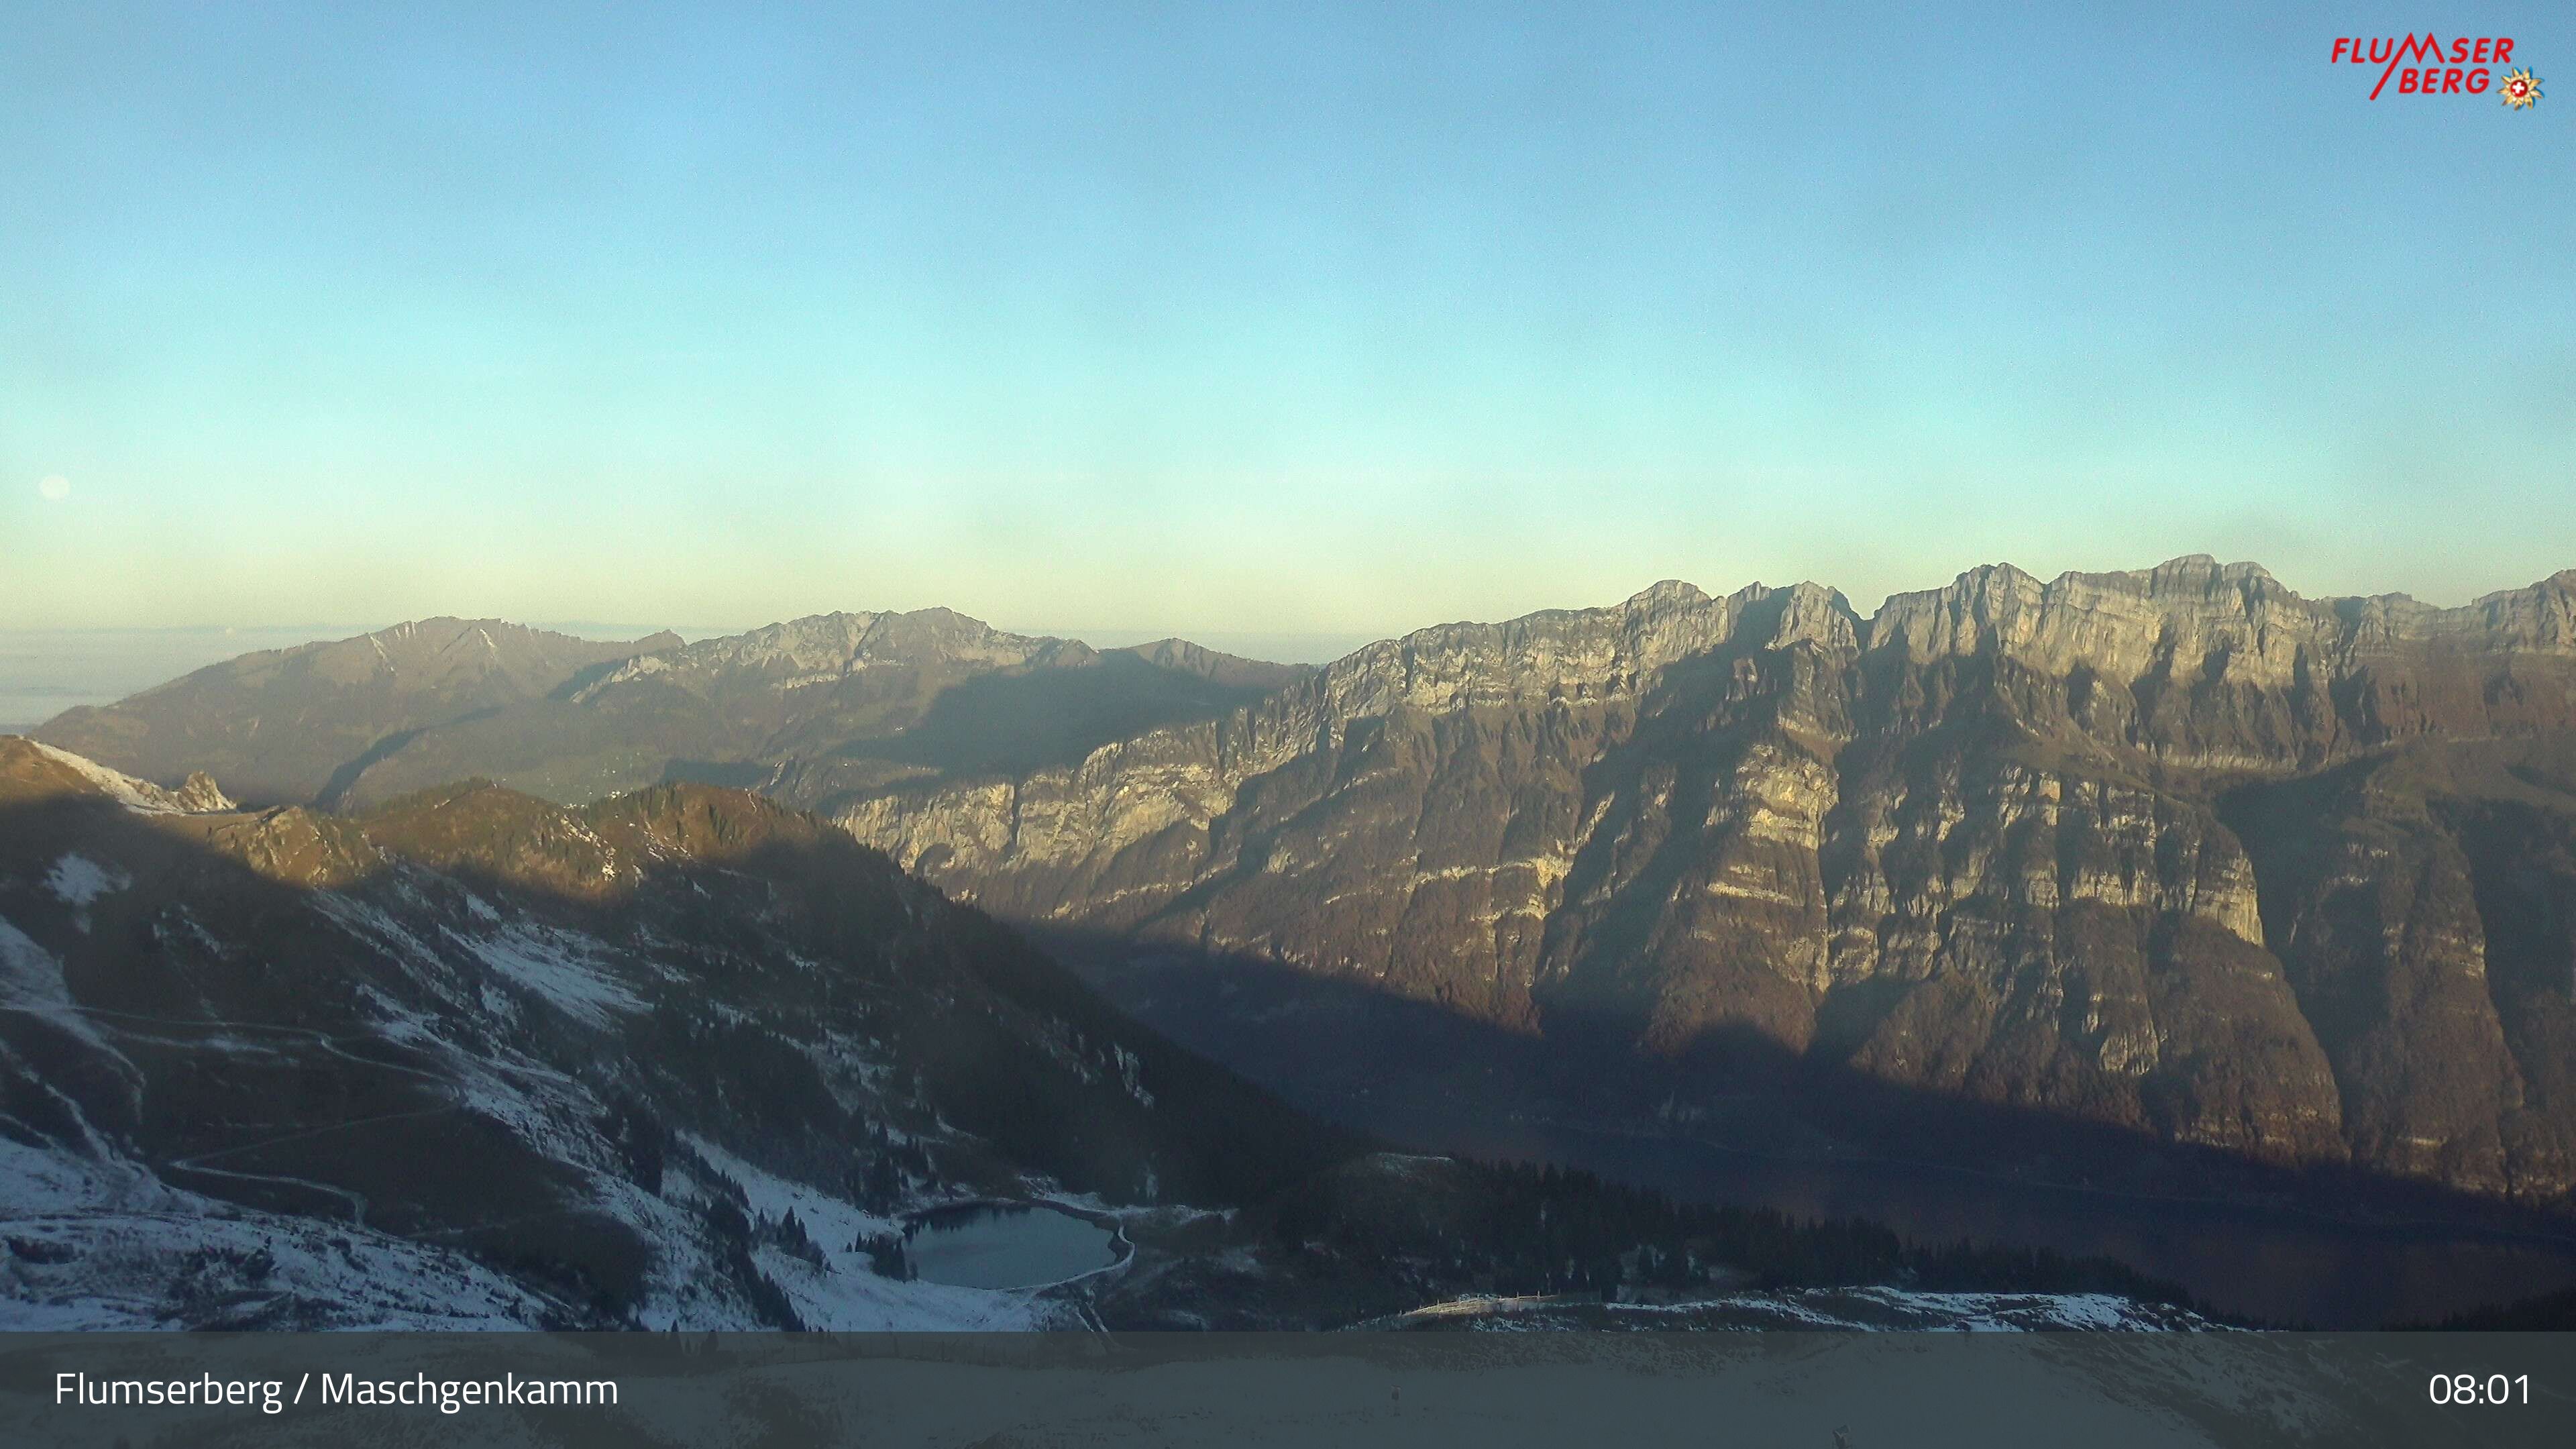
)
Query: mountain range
[
  {"x": 689, "y": 1058},
  {"x": 814, "y": 711},
  {"x": 2175, "y": 855}
]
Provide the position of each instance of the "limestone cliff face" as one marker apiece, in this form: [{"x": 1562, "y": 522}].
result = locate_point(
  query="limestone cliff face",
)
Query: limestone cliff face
[
  {"x": 1993, "y": 841},
  {"x": 2221, "y": 667}
]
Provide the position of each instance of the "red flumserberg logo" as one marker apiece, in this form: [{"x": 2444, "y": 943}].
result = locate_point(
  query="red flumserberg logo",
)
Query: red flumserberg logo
[{"x": 2423, "y": 65}]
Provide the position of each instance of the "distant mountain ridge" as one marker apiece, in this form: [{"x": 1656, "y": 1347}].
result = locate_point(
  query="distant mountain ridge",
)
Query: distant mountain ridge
[
  {"x": 293, "y": 725},
  {"x": 811, "y": 709}
]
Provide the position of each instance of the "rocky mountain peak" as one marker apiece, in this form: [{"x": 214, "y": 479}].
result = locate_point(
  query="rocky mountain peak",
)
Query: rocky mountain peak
[
  {"x": 447, "y": 651},
  {"x": 199, "y": 794},
  {"x": 1555, "y": 652},
  {"x": 826, "y": 646},
  {"x": 1666, "y": 594},
  {"x": 2541, "y": 617},
  {"x": 2120, "y": 624},
  {"x": 2194, "y": 615},
  {"x": 31, "y": 771},
  {"x": 1809, "y": 613}
]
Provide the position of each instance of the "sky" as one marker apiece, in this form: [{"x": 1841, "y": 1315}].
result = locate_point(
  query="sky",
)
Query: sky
[{"x": 1226, "y": 319}]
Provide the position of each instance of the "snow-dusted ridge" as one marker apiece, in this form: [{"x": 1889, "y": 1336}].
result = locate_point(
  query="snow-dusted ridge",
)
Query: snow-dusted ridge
[
  {"x": 139, "y": 796},
  {"x": 275, "y": 1092}
]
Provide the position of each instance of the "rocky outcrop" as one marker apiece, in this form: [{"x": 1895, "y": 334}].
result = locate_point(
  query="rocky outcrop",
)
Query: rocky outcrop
[
  {"x": 33, "y": 771},
  {"x": 1992, "y": 841}
]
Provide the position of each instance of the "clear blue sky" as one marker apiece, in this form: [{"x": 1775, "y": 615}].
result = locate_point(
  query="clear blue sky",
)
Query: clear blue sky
[{"x": 1232, "y": 317}]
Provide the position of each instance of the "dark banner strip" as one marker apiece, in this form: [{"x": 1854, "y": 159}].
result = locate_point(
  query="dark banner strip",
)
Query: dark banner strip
[{"x": 1560, "y": 1390}]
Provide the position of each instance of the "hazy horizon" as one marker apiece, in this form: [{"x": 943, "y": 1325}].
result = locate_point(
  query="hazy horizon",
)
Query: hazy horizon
[
  {"x": 1302, "y": 321},
  {"x": 1110, "y": 636}
]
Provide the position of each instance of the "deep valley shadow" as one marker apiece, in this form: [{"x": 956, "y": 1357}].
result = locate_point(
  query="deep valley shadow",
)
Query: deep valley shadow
[{"x": 1741, "y": 1120}]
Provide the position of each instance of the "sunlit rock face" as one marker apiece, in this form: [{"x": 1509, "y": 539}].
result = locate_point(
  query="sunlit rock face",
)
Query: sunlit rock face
[{"x": 2175, "y": 850}]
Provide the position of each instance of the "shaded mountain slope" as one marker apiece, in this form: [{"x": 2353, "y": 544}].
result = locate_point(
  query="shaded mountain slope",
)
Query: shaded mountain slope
[{"x": 473, "y": 1057}]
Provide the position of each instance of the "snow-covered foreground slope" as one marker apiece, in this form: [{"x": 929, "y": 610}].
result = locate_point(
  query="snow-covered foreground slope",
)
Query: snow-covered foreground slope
[
  {"x": 101, "y": 1244},
  {"x": 683, "y": 1060}
]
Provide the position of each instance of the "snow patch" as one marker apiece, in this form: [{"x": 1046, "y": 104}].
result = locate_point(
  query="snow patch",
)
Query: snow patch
[
  {"x": 31, "y": 981},
  {"x": 125, "y": 790},
  {"x": 561, "y": 967},
  {"x": 77, "y": 880},
  {"x": 38, "y": 1183}
]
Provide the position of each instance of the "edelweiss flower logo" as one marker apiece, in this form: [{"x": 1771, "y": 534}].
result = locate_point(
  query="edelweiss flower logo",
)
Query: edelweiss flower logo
[{"x": 2520, "y": 89}]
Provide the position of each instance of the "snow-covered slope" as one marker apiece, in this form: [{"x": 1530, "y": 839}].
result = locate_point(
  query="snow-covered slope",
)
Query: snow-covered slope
[{"x": 474, "y": 1060}]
